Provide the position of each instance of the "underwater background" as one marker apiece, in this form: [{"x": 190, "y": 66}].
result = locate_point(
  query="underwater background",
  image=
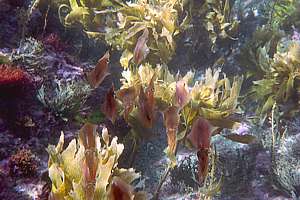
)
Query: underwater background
[{"x": 149, "y": 99}]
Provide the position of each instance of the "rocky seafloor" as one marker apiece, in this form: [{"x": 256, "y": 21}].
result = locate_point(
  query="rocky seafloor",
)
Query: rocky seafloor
[{"x": 246, "y": 169}]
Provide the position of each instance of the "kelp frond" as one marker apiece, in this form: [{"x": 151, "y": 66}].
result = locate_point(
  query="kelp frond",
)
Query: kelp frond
[
  {"x": 160, "y": 19},
  {"x": 280, "y": 81},
  {"x": 219, "y": 21},
  {"x": 88, "y": 168}
]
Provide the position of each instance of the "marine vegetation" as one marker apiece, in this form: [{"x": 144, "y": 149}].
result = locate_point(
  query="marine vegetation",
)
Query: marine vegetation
[
  {"x": 28, "y": 51},
  {"x": 13, "y": 81},
  {"x": 182, "y": 101},
  {"x": 278, "y": 80},
  {"x": 160, "y": 22},
  {"x": 211, "y": 21},
  {"x": 279, "y": 11},
  {"x": 60, "y": 80},
  {"x": 17, "y": 89},
  {"x": 213, "y": 98},
  {"x": 271, "y": 61},
  {"x": 293, "y": 19},
  {"x": 4, "y": 58},
  {"x": 64, "y": 98},
  {"x": 251, "y": 56},
  {"x": 148, "y": 90},
  {"x": 180, "y": 85},
  {"x": 220, "y": 23},
  {"x": 87, "y": 13},
  {"x": 286, "y": 176},
  {"x": 88, "y": 168},
  {"x": 43, "y": 59},
  {"x": 121, "y": 24},
  {"x": 23, "y": 163},
  {"x": 284, "y": 150}
]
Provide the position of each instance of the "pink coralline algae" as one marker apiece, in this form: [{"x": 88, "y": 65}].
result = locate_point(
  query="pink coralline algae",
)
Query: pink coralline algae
[
  {"x": 296, "y": 35},
  {"x": 22, "y": 163},
  {"x": 243, "y": 129},
  {"x": 13, "y": 80}
]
